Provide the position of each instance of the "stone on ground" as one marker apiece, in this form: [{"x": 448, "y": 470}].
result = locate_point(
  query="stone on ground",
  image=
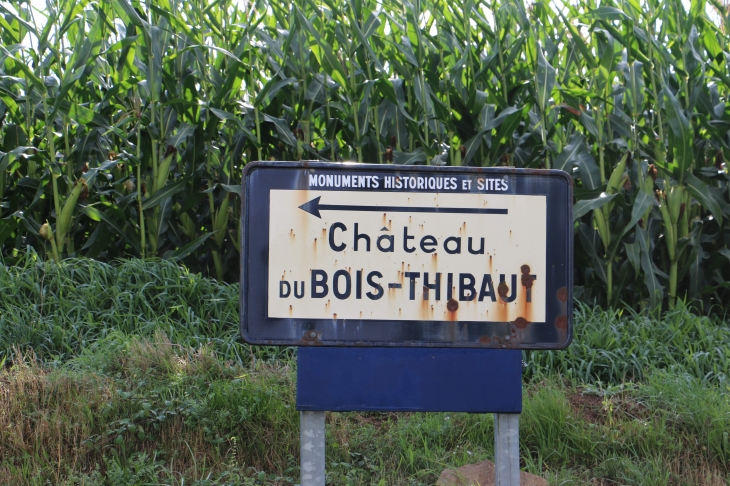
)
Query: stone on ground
[{"x": 482, "y": 474}]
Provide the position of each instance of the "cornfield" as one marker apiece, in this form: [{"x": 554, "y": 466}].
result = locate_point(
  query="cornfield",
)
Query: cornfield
[{"x": 125, "y": 125}]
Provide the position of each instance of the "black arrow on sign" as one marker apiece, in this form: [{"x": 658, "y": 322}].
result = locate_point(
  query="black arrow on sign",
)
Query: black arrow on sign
[{"x": 313, "y": 207}]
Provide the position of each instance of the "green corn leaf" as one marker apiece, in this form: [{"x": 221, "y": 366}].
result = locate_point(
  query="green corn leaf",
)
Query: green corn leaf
[
  {"x": 400, "y": 97},
  {"x": 589, "y": 123},
  {"x": 724, "y": 252},
  {"x": 633, "y": 253},
  {"x": 34, "y": 80},
  {"x": 97, "y": 215},
  {"x": 186, "y": 250},
  {"x": 362, "y": 38},
  {"x": 178, "y": 23},
  {"x": 591, "y": 243},
  {"x": 323, "y": 51},
  {"x": 634, "y": 76},
  {"x": 10, "y": 31},
  {"x": 88, "y": 46},
  {"x": 569, "y": 156},
  {"x": 590, "y": 173},
  {"x": 606, "y": 13},
  {"x": 155, "y": 48},
  {"x": 506, "y": 131},
  {"x": 680, "y": 131},
  {"x": 410, "y": 158},
  {"x": 282, "y": 129},
  {"x": 656, "y": 291},
  {"x": 545, "y": 80},
  {"x": 224, "y": 115},
  {"x": 500, "y": 119},
  {"x": 642, "y": 203},
  {"x": 163, "y": 194},
  {"x": 235, "y": 189},
  {"x": 81, "y": 114},
  {"x": 132, "y": 14},
  {"x": 7, "y": 226},
  {"x": 704, "y": 195},
  {"x": 120, "y": 45},
  {"x": 578, "y": 41},
  {"x": 473, "y": 144},
  {"x": 583, "y": 207},
  {"x": 17, "y": 17},
  {"x": 271, "y": 43},
  {"x": 619, "y": 37}
]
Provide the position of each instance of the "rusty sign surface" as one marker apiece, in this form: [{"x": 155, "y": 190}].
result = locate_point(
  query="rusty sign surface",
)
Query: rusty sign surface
[{"x": 371, "y": 255}]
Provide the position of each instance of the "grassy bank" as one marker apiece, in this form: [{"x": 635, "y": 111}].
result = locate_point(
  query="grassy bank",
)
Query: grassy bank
[
  {"x": 133, "y": 374},
  {"x": 60, "y": 310},
  {"x": 146, "y": 411}
]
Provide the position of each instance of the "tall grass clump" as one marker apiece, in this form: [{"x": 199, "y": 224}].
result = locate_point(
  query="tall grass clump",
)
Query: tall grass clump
[
  {"x": 125, "y": 125},
  {"x": 611, "y": 347},
  {"x": 144, "y": 411},
  {"x": 57, "y": 310}
]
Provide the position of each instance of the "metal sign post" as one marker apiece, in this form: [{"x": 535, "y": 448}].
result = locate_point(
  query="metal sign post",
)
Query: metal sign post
[
  {"x": 354, "y": 261},
  {"x": 507, "y": 448},
  {"x": 311, "y": 448}
]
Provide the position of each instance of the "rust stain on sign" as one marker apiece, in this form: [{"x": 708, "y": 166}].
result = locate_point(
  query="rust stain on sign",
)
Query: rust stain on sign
[
  {"x": 311, "y": 338},
  {"x": 526, "y": 278},
  {"x": 452, "y": 305},
  {"x": 562, "y": 294},
  {"x": 503, "y": 290},
  {"x": 521, "y": 323}
]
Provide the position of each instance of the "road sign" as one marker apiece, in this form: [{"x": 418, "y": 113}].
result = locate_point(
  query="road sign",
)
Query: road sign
[{"x": 371, "y": 255}]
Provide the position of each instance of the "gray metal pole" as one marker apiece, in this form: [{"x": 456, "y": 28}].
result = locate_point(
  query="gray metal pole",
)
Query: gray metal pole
[
  {"x": 311, "y": 448},
  {"x": 507, "y": 448}
]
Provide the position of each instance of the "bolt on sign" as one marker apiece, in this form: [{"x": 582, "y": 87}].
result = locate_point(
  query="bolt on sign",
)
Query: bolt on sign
[{"x": 384, "y": 255}]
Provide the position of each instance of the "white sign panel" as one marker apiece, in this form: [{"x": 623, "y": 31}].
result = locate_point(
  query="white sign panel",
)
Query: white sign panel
[{"x": 412, "y": 256}]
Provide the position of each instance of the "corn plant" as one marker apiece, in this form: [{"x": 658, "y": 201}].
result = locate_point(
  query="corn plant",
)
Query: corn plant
[{"x": 125, "y": 124}]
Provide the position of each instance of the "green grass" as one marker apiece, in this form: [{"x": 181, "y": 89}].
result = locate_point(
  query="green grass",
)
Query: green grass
[
  {"x": 133, "y": 373},
  {"x": 59, "y": 310},
  {"x": 146, "y": 411},
  {"x": 611, "y": 346}
]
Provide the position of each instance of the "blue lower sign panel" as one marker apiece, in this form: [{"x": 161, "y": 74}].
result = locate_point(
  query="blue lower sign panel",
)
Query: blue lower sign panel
[{"x": 409, "y": 380}]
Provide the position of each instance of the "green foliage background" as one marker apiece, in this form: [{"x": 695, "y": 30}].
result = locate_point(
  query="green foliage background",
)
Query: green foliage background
[{"x": 125, "y": 125}]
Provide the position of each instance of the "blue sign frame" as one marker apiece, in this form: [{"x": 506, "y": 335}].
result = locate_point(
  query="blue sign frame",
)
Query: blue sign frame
[{"x": 258, "y": 328}]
